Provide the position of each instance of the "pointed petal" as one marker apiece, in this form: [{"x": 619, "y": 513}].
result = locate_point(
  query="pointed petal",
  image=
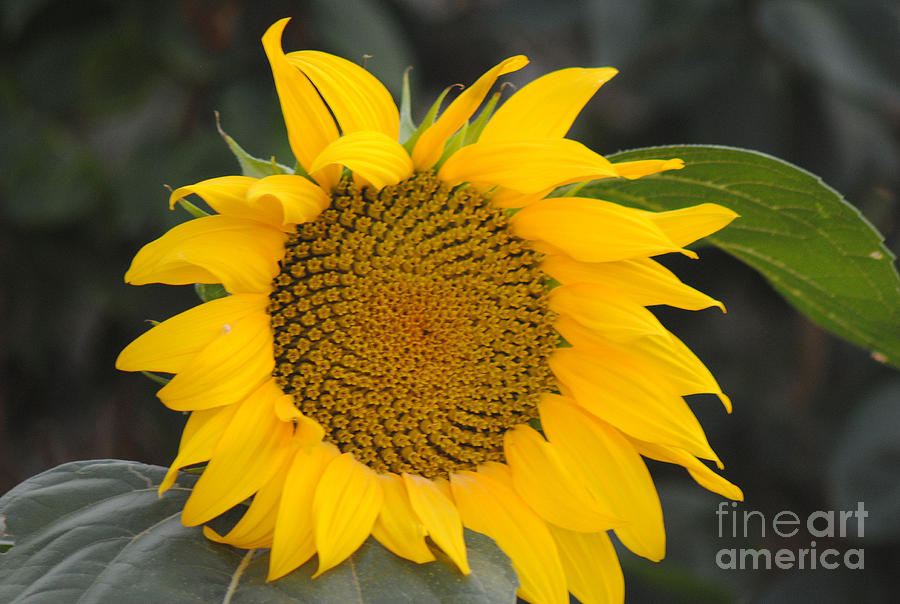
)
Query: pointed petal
[
  {"x": 398, "y": 528},
  {"x": 309, "y": 123},
  {"x": 379, "y": 160},
  {"x": 251, "y": 450},
  {"x": 287, "y": 200},
  {"x": 689, "y": 224},
  {"x": 440, "y": 517},
  {"x": 430, "y": 145},
  {"x": 636, "y": 169},
  {"x": 642, "y": 280},
  {"x": 592, "y": 566},
  {"x": 356, "y": 97},
  {"x": 527, "y": 166},
  {"x": 552, "y": 487},
  {"x": 546, "y": 107},
  {"x": 698, "y": 470},
  {"x": 170, "y": 345},
  {"x": 227, "y": 370},
  {"x": 612, "y": 471},
  {"x": 256, "y": 527},
  {"x": 293, "y": 542},
  {"x": 623, "y": 395},
  {"x": 490, "y": 508},
  {"x": 240, "y": 254},
  {"x": 348, "y": 499},
  {"x": 198, "y": 441},
  {"x": 602, "y": 310},
  {"x": 590, "y": 230}
]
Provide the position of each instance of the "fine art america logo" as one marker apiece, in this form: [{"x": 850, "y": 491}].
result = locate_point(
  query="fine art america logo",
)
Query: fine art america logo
[{"x": 753, "y": 525}]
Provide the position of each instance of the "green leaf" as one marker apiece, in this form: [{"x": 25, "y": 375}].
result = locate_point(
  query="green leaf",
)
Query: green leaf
[
  {"x": 251, "y": 166},
  {"x": 817, "y": 250},
  {"x": 96, "y": 531}
]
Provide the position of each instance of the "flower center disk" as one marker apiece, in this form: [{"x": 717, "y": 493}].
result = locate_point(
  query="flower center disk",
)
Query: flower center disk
[{"x": 413, "y": 326}]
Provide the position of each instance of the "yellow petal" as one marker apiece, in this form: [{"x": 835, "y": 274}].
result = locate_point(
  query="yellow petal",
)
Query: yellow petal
[
  {"x": 626, "y": 397},
  {"x": 170, "y": 345},
  {"x": 293, "y": 542},
  {"x": 198, "y": 441},
  {"x": 592, "y": 567},
  {"x": 551, "y": 486},
  {"x": 356, "y": 97},
  {"x": 440, "y": 517},
  {"x": 398, "y": 528},
  {"x": 251, "y": 450},
  {"x": 546, "y": 107},
  {"x": 591, "y": 230},
  {"x": 430, "y": 146},
  {"x": 287, "y": 199},
  {"x": 309, "y": 123},
  {"x": 642, "y": 280},
  {"x": 611, "y": 470},
  {"x": 663, "y": 356},
  {"x": 602, "y": 310},
  {"x": 348, "y": 499},
  {"x": 227, "y": 370},
  {"x": 490, "y": 508},
  {"x": 240, "y": 254},
  {"x": 698, "y": 470},
  {"x": 689, "y": 224},
  {"x": 378, "y": 159},
  {"x": 226, "y": 195},
  {"x": 257, "y": 526},
  {"x": 527, "y": 166},
  {"x": 636, "y": 169}
]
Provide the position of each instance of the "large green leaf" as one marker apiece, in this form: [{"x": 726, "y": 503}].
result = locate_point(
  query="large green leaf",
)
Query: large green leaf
[
  {"x": 95, "y": 531},
  {"x": 816, "y": 249}
]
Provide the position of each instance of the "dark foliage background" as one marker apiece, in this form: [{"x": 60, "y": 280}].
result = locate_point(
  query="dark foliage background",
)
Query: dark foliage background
[{"x": 104, "y": 102}]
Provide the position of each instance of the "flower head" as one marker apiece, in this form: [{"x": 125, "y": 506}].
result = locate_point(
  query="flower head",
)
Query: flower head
[{"x": 417, "y": 338}]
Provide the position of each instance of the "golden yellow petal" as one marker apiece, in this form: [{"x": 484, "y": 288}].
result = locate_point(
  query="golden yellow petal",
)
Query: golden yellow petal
[
  {"x": 287, "y": 200},
  {"x": 430, "y": 146},
  {"x": 636, "y": 169},
  {"x": 624, "y": 396},
  {"x": 348, "y": 499},
  {"x": 198, "y": 441},
  {"x": 240, "y": 254},
  {"x": 592, "y": 566},
  {"x": 309, "y": 123},
  {"x": 440, "y": 517},
  {"x": 251, "y": 450},
  {"x": 689, "y": 224},
  {"x": 698, "y": 470},
  {"x": 379, "y": 160},
  {"x": 226, "y": 195},
  {"x": 527, "y": 166},
  {"x": 356, "y": 97},
  {"x": 611, "y": 470},
  {"x": 641, "y": 280},
  {"x": 551, "y": 485},
  {"x": 226, "y": 370},
  {"x": 293, "y": 542},
  {"x": 546, "y": 107},
  {"x": 170, "y": 345},
  {"x": 398, "y": 528},
  {"x": 493, "y": 509},
  {"x": 602, "y": 310},
  {"x": 592, "y": 230}
]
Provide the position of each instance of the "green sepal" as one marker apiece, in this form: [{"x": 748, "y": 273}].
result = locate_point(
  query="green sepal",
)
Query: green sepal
[
  {"x": 251, "y": 166},
  {"x": 407, "y": 125},
  {"x": 191, "y": 209},
  {"x": 454, "y": 144},
  {"x": 428, "y": 121},
  {"x": 476, "y": 127},
  {"x": 210, "y": 291},
  {"x": 157, "y": 378}
]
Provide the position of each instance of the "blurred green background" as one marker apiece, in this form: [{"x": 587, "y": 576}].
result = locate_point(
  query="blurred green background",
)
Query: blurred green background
[{"x": 105, "y": 102}]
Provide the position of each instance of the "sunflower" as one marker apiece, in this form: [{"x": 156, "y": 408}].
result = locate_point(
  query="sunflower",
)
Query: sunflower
[{"x": 418, "y": 337}]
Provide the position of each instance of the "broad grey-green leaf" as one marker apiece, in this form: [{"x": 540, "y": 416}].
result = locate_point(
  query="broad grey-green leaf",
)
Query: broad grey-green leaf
[
  {"x": 95, "y": 531},
  {"x": 817, "y": 250}
]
